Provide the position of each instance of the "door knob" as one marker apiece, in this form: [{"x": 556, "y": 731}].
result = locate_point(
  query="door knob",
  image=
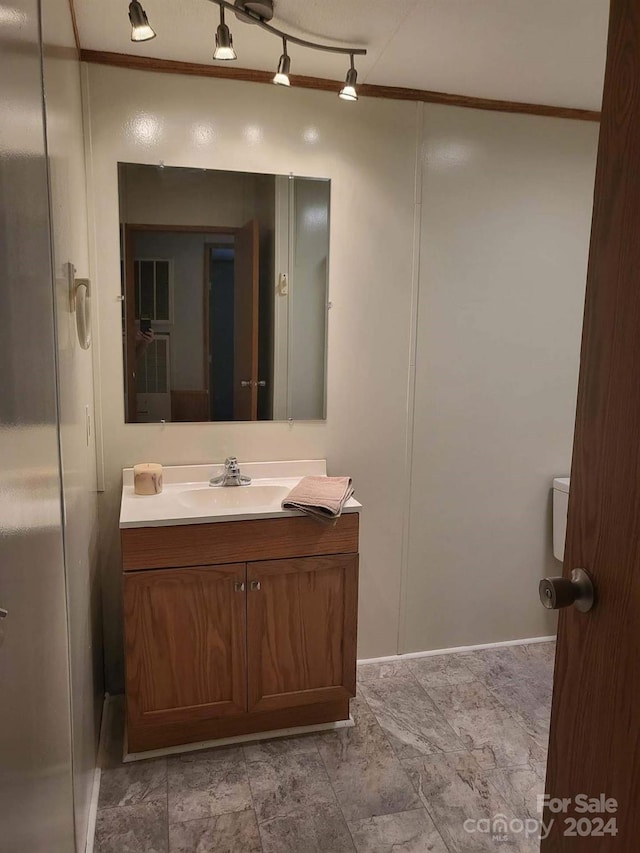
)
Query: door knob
[
  {"x": 246, "y": 383},
  {"x": 561, "y": 592}
]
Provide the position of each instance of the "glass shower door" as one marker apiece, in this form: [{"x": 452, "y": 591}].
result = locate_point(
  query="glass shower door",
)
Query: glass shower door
[{"x": 36, "y": 800}]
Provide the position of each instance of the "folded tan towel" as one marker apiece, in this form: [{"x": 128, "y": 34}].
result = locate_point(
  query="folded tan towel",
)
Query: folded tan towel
[{"x": 320, "y": 497}]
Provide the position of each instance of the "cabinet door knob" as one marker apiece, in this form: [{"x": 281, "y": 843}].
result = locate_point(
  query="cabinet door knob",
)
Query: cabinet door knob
[
  {"x": 254, "y": 585},
  {"x": 238, "y": 586}
]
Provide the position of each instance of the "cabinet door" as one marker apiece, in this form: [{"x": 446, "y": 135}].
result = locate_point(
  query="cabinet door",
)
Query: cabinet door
[
  {"x": 185, "y": 643},
  {"x": 302, "y": 617}
]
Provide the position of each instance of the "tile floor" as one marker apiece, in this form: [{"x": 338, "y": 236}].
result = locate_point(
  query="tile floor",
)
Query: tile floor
[{"x": 437, "y": 741}]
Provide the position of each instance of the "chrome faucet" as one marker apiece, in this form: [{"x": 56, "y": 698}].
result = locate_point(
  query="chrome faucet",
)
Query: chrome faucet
[{"x": 231, "y": 475}]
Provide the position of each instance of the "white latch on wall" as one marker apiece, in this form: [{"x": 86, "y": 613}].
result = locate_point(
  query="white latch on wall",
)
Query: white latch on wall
[
  {"x": 283, "y": 284},
  {"x": 80, "y": 303}
]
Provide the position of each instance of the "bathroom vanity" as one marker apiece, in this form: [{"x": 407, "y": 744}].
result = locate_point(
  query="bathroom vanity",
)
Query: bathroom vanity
[{"x": 239, "y": 617}]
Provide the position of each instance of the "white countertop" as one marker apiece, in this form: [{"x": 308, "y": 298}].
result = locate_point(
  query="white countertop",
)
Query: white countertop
[{"x": 186, "y": 492}]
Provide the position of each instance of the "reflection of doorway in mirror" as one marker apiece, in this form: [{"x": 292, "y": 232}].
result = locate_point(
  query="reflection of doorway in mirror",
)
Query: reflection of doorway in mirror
[
  {"x": 232, "y": 324},
  {"x": 218, "y": 318}
]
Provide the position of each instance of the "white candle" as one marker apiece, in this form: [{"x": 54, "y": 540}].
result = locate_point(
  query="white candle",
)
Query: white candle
[{"x": 147, "y": 478}]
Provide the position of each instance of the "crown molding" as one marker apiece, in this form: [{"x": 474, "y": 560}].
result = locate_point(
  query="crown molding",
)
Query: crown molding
[{"x": 365, "y": 90}]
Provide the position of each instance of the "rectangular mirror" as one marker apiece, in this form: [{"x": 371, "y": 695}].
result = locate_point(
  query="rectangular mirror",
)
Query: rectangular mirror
[{"x": 224, "y": 284}]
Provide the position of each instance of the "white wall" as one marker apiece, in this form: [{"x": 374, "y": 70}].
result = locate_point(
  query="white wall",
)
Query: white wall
[
  {"x": 372, "y": 153},
  {"x": 506, "y": 213},
  {"x": 240, "y": 126},
  {"x": 75, "y": 389}
]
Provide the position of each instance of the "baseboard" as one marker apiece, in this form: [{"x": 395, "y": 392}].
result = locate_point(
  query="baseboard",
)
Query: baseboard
[
  {"x": 236, "y": 739},
  {"x": 95, "y": 792},
  {"x": 434, "y": 652}
]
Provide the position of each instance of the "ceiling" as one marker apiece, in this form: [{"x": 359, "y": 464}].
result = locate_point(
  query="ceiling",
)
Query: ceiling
[{"x": 537, "y": 51}]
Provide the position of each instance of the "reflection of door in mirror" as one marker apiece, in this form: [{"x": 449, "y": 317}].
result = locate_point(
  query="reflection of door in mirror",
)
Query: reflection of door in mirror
[
  {"x": 219, "y": 266},
  {"x": 245, "y": 323},
  {"x": 231, "y": 321}
]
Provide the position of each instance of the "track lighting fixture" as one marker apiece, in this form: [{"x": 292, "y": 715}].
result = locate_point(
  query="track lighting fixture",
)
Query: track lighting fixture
[
  {"x": 348, "y": 91},
  {"x": 260, "y": 13},
  {"x": 282, "y": 74},
  {"x": 224, "y": 40},
  {"x": 140, "y": 29}
]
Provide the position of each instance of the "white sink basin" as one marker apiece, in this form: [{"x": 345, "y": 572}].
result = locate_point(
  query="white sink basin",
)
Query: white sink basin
[
  {"x": 233, "y": 497},
  {"x": 187, "y": 497}
]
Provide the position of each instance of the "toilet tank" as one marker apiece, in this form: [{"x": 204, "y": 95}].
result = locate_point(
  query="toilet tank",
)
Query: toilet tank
[{"x": 560, "y": 506}]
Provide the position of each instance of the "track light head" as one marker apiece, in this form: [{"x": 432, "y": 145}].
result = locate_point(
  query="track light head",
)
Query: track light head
[
  {"x": 284, "y": 64},
  {"x": 348, "y": 91},
  {"x": 224, "y": 40},
  {"x": 140, "y": 28}
]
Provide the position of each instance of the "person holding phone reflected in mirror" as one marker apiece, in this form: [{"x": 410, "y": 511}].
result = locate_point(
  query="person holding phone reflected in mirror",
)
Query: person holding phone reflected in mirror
[{"x": 144, "y": 336}]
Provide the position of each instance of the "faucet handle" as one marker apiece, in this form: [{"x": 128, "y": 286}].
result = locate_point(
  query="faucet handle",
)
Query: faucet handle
[{"x": 231, "y": 462}]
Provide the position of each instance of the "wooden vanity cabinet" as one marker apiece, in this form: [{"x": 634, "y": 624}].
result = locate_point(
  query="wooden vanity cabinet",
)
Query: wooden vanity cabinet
[{"x": 241, "y": 645}]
